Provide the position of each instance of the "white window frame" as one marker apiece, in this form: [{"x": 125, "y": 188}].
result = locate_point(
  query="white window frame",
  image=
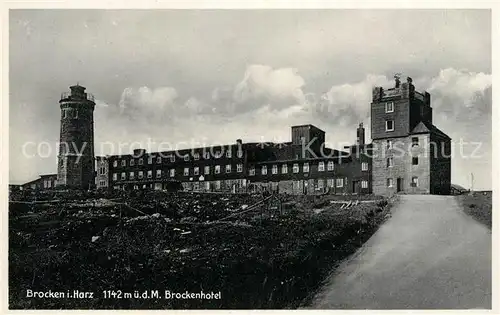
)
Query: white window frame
[
  {"x": 150, "y": 174},
  {"x": 305, "y": 167},
  {"x": 274, "y": 169},
  {"x": 186, "y": 158},
  {"x": 330, "y": 166},
  {"x": 132, "y": 162},
  {"x": 115, "y": 176},
  {"x": 415, "y": 144},
  {"x": 414, "y": 180},
  {"x": 131, "y": 175},
  {"x": 141, "y": 161},
  {"x": 263, "y": 170},
  {"x": 115, "y": 163},
  {"x": 158, "y": 173},
  {"x": 196, "y": 170},
  {"x": 150, "y": 160},
  {"x": 186, "y": 171},
  {"x": 123, "y": 176},
  {"x": 228, "y": 153},
  {"x": 296, "y": 168},
  {"x": 196, "y": 156},
  {"x": 284, "y": 169},
  {"x": 251, "y": 171},
  {"x": 239, "y": 167},
  {"x": 140, "y": 175},
  {"x": 364, "y": 184},
  {"x": 387, "y": 127},
  {"x": 217, "y": 169},
  {"x": 389, "y": 107},
  {"x": 206, "y": 170},
  {"x": 124, "y": 163},
  {"x": 415, "y": 157},
  {"x": 228, "y": 168},
  {"x": 207, "y": 155},
  {"x": 172, "y": 172},
  {"x": 339, "y": 182},
  {"x": 240, "y": 153},
  {"x": 390, "y": 162},
  {"x": 389, "y": 144},
  {"x": 390, "y": 182},
  {"x": 364, "y": 166},
  {"x": 321, "y": 166}
]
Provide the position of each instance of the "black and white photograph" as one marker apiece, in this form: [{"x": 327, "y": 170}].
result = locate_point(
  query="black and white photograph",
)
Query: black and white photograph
[{"x": 249, "y": 158}]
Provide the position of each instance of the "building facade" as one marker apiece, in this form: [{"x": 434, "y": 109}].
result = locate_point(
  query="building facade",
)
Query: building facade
[
  {"x": 302, "y": 166},
  {"x": 411, "y": 155},
  {"x": 75, "y": 168}
]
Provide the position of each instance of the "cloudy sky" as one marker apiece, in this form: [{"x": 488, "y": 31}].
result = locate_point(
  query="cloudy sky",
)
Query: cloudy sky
[{"x": 214, "y": 76}]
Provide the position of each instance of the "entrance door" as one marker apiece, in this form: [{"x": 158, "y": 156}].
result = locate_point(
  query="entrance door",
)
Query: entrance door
[
  {"x": 355, "y": 186},
  {"x": 399, "y": 184}
]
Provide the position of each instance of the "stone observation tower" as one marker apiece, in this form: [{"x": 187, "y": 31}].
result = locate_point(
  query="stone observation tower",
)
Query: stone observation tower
[{"x": 75, "y": 166}]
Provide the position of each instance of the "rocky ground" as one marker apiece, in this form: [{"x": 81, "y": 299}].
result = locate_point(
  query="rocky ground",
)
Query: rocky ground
[{"x": 256, "y": 258}]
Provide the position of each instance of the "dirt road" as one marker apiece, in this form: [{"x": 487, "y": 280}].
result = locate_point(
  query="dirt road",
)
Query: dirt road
[{"x": 428, "y": 255}]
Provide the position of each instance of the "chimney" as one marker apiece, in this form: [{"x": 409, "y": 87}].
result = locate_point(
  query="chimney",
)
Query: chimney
[{"x": 360, "y": 135}]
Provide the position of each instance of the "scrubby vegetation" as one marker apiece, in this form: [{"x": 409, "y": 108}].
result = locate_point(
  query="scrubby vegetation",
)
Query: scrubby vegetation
[
  {"x": 478, "y": 205},
  {"x": 182, "y": 242}
]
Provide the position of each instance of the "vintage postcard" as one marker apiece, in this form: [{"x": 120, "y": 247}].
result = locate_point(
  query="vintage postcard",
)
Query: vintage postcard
[{"x": 321, "y": 158}]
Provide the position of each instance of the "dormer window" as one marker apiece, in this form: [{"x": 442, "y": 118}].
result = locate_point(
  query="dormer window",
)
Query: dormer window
[{"x": 389, "y": 107}]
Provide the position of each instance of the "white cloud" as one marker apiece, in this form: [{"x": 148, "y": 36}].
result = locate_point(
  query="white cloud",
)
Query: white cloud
[{"x": 281, "y": 87}]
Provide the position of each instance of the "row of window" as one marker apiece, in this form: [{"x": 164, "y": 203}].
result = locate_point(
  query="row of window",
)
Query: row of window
[
  {"x": 196, "y": 171},
  {"x": 390, "y": 161},
  {"x": 414, "y": 182},
  {"x": 414, "y": 142},
  {"x": 187, "y": 157},
  {"x": 239, "y": 169}
]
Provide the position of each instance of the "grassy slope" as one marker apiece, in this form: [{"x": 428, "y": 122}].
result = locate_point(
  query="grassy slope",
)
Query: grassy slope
[{"x": 479, "y": 206}]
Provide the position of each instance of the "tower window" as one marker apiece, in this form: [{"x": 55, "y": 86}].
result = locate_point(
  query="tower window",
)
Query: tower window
[
  {"x": 389, "y": 144},
  {"x": 275, "y": 169},
  {"x": 364, "y": 166},
  {"x": 414, "y": 141},
  {"x": 389, "y": 125},
  {"x": 414, "y": 160},
  {"x": 264, "y": 170},
  {"x": 390, "y": 162},
  {"x": 414, "y": 181},
  {"x": 364, "y": 184},
  {"x": 389, "y": 107},
  {"x": 389, "y": 182}
]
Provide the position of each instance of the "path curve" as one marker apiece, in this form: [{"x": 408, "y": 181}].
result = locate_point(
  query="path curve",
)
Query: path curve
[{"x": 429, "y": 255}]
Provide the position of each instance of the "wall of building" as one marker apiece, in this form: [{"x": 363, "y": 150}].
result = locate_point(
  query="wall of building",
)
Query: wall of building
[
  {"x": 440, "y": 168},
  {"x": 402, "y": 167}
]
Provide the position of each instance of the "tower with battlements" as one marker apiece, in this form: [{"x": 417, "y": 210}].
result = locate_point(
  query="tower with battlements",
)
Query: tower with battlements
[{"x": 411, "y": 155}]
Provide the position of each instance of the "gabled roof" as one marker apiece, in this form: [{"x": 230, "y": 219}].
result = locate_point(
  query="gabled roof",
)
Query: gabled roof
[{"x": 425, "y": 127}]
